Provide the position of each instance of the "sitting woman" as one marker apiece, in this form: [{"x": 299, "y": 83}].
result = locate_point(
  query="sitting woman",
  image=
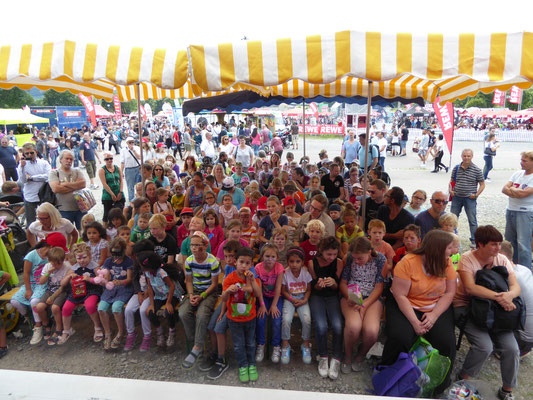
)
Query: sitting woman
[
  {"x": 423, "y": 287},
  {"x": 482, "y": 343}
]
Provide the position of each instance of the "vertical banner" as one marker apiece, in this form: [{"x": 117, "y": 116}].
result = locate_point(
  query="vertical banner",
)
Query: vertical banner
[
  {"x": 118, "y": 111},
  {"x": 515, "y": 95},
  {"x": 89, "y": 107},
  {"x": 499, "y": 98},
  {"x": 143, "y": 113},
  {"x": 314, "y": 109},
  {"x": 445, "y": 117},
  {"x": 148, "y": 110}
]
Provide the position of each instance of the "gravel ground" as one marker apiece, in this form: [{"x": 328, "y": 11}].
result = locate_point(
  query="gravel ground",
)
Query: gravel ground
[{"x": 81, "y": 356}]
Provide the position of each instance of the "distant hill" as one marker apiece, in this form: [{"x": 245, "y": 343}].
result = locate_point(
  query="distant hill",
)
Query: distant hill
[{"x": 36, "y": 93}]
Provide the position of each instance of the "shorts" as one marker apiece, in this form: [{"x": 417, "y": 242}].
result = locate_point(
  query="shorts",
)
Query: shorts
[
  {"x": 422, "y": 152},
  {"x": 58, "y": 301},
  {"x": 91, "y": 168},
  {"x": 117, "y": 306},
  {"x": 188, "y": 147},
  {"x": 218, "y": 326}
]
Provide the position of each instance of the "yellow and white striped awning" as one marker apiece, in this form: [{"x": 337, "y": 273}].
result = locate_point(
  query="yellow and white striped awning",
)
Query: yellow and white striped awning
[
  {"x": 95, "y": 70},
  {"x": 402, "y": 64}
]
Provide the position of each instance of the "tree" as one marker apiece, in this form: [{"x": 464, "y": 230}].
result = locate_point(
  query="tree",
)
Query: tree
[
  {"x": 476, "y": 102},
  {"x": 53, "y": 98},
  {"x": 15, "y": 98}
]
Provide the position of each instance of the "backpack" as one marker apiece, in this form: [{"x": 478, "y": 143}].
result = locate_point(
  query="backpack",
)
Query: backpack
[
  {"x": 488, "y": 314},
  {"x": 399, "y": 379},
  {"x": 46, "y": 194}
]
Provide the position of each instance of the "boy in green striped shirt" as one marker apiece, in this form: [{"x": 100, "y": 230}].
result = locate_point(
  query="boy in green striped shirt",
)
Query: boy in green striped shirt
[{"x": 201, "y": 279}]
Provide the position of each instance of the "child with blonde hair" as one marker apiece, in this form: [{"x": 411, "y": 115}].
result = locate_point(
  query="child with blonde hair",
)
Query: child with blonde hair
[
  {"x": 448, "y": 223},
  {"x": 316, "y": 231},
  {"x": 347, "y": 232}
]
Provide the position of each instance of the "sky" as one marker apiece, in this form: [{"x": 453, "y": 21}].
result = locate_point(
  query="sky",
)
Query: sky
[{"x": 166, "y": 24}]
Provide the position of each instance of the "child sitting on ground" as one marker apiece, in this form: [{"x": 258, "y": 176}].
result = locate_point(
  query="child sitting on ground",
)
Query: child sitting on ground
[
  {"x": 296, "y": 290},
  {"x": 178, "y": 199},
  {"x": 280, "y": 239},
  {"x": 116, "y": 219},
  {"x": 96, "y": 237},
  {"x": 210, "y": 202},
  {"x": 141, "y": 230},
  {"x": 411, "y": 240},
  {"x": 249, "y": 231},
  {"x": 240, "y": 291},
  {"x": 124, "y": 232},
  {"x": 213, "y": 230},
  {"x": 448, "y": 222},
  {"x": 334, "y": 212},
  {"x": 273, "y": 220},
  {"x": 165, "y": 244},
  {"x": 346, "y": 233},
  {"x": 289, "y": 204},
  {"x": 233, "y": 232},
  {"x": 316, "y": 231},
  {"x": 197, "y": 225},
  {"x": 54, "y": 297},
  {"x": 227, "y": 211},
  {"x": 376, "y": 231}
]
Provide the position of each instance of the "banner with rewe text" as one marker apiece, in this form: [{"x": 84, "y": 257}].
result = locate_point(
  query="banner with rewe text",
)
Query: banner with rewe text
[
  {"x": 89, "y": 107},
  {"x": 499, "y": 98},
  {"x": 515, "y": 95},
  {"x": 118, "y": 111},
  {"x": 445, "y": 117},
  {"x": 321, "y": 129}
]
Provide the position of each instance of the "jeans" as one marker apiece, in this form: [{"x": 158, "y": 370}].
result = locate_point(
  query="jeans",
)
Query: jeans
[
  {"x": 403, "y": 144},
  {"x": 196, "y": 325},
  {"x": 324, "y": 309},
  {"x": 304, "y": 313},
  {"x": 487, "y": 167},
  {"x": 470, "y": 208},
  {"x": 77, "y": 158},
  {"x": 74, "y": 217},
  {"x": 381, "y": 161},
  {"x": 11, "y": 173},
  {"x": 243, "y": 336},
  {"x": 518, "y": 231},
  {"x": 256, "y": 148},
  {"x": 276, "y": 323},
  {"x": 131, "y": 177},
  {"x": 29, "y": 210}
]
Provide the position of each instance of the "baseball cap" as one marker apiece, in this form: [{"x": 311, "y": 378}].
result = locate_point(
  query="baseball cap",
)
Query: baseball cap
[
  {"x": 251, "y": 169},
  {"x": 228, "y": 183},
  {"x": 289, "y": 201},
  {"x": 262, "y": 204},
  {"x": 245, "y": 179},
  {"x": 56, "y": 239},
  {"x": 187, "y": 210},
  {"x": 130, "y": 139},
  {"x": 159, "y": 145},
  {"x": 334, "y": 207}
]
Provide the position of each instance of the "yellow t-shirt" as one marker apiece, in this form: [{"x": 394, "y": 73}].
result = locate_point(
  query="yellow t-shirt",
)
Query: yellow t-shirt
[
  {"x": 425, "y": 290},
  {"x": 177, "y": 201},
  {"x": 343, "y": 236}
]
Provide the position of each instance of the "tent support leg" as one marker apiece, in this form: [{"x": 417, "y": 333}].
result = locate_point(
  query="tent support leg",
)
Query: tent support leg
[
  {"x": 367, "y": 141},
  {"x": 138, "y": 93}
]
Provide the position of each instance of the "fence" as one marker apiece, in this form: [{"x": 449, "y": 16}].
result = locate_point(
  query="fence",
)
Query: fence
[{"x": 471, "y": 135}]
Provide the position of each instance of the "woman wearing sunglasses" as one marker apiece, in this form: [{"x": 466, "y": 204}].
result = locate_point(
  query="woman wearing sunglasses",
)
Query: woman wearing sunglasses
[
  {"x": 112, "y": 182},
  {"x": 159, "y": 177}
]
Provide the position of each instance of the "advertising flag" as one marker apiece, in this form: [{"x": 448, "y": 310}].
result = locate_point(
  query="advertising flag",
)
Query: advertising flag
[
  {"x": 515, "y": 95},
  {"x": 89, "y": 107},
  {"x": 148, "y": 110},
  {"x": 445, "y": 117},
  {"x": 143, "y": 113},
  {"x": 499, "y": 98},
  {"x": 314, "y": 109},
  {"x": 118, "y": 111}
]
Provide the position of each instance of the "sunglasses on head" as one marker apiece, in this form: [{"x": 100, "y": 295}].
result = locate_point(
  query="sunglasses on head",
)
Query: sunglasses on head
[{"x": 439, "y": 201}]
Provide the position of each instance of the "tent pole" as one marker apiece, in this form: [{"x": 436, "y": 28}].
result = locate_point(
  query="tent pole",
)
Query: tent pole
[
  {"x": 367, "y": 141},
  {"x": 303, "y": 122},
  {"x": 138, "y": 93}
]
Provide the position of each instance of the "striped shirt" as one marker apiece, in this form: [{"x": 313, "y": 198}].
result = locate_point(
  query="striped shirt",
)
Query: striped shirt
[
  {"x": 202, "y": 272},
  {"x": 466, "y": 180}
]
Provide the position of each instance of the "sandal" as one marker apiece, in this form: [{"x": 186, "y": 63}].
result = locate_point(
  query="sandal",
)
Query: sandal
[
  {"x": 107, "y": 342},
  {"x": 98, "y": 335},
  {"x": 115, "y": 344},
  {"x": 54, "y": 338},
  {"x": 47, "y": 331},
  {"x": 65, "y": 336}
]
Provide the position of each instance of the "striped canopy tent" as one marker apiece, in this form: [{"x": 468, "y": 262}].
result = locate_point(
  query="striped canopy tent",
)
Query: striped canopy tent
[{"x": 401, "y": 65}]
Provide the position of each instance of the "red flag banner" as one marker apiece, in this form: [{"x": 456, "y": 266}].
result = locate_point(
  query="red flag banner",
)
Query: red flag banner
[
  {"x": 118, "y": 111},
  {"x": 89, "y": 107},
  {"x": 445, "y": 117},
  {"x": 143, "y": 113},
  {"x": 314, "y": 109},
  {"x": 499, "y": 98},
  {"x": 515, "y": 95}
]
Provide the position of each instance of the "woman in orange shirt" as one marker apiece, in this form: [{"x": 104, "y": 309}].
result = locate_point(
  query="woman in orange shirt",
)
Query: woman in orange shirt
[{"x": 424, "y": 285}]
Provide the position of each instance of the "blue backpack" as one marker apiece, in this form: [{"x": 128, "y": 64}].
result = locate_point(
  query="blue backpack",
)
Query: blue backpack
[{"x": 399, "y": 379}]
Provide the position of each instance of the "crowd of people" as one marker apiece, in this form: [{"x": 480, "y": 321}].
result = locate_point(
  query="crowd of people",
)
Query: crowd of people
[{"x": 245, "y": 239}]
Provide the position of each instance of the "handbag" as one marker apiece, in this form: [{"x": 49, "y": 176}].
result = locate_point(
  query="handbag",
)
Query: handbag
[
  {"x": 431, "y": 363},
  {"x": 84, "y": 199}
]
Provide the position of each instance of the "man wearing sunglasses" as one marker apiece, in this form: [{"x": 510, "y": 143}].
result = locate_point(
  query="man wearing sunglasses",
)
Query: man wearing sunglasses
[
  {"x": 429, "y": 219},
  {"x": 33, "y": 173}
]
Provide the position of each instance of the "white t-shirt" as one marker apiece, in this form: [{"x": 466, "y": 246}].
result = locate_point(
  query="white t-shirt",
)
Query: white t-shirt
[
  {"x": 525, "y": 280},
  {"x": 244, "y": 156},
  {"x": 1, "y": 174},
  {"x": 65, "y": 229},
  {"x": 382, "y": 142},
  {"x": 521, "y": 181},
  {"x": 54, "y": 280},
  {"x": 297, "y": 286},
  {"x": 208, "y": 148},
  {"x": 227, "y": 148}
]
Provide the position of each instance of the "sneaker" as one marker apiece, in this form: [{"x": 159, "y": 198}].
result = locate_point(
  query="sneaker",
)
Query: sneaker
[
  {"x": 218, "y": 369},
  {"x": 208, "y": 362},
  {"x": 130, "y": 341},
  {"x": 37, "y": 335},
  {"x": 252, "y": 373},
  {"x": 3, "y": 351},
  {"x": 323, "y": 367},
  {"x": 146, "y": 343},
  {"x": 285, "y": 355},
  {"x": 346, "y": 368},
  {"x": 334, "y": 367},
  {"x": 160, "y": 338},
  {"x": 276, "y": 353},
  {"x": 260, "y": 352},
  {"x": 357, "y": 366},
  {"x": 505, "y": 395},
  {"x": 171, "y": 337},
  {"x": 306, "y": 354},
  {"x": 488, "y": 180},
  {"x": 243, "y": 374}
]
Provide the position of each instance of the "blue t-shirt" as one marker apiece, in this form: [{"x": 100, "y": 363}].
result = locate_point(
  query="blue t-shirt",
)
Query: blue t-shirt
[
  {"x": 88, "y": 150},
  {"x": 372, "y": 152},
  {"x": 7, "y": 157},
  {"x": 351, "y": 150},
  {"x": 267, "y": 224},
  {"x": 159, "y": 286},
  {"x": 426, "y": 222}
]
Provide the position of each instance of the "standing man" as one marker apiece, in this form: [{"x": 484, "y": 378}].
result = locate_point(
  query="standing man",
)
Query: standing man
[
  {"x": 519, "y": 218},
  {"x": 33, "y": 173},
  {"x": 469, "y": 184},
  {"x": 9, "y": 158},
  {"x": 382, "y": 144},
  {"x": 87, "y": 155},
  {"x": 403, "y": 140},
  {"x": 332, "y": 184},
  {"x": 370, "y": 159},
  {"x": 376, "y": 190},
  {"x": 350, "y": 148},
  {"x": 429, "y": 219},
  {"x": 129, "y": 164},
  {"x": 294, "y": 135},
  {"x": 64, "y": 181},
  {"x": 208, "y": 147}
]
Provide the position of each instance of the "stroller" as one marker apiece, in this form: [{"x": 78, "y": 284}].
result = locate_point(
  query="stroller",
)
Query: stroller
[{"x": 14, "y": 237}]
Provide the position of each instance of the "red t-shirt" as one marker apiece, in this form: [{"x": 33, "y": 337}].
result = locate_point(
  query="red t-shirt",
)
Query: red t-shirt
[
  {"x": 310, "y": 250},
  {"x": 182, "y": 234}
]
